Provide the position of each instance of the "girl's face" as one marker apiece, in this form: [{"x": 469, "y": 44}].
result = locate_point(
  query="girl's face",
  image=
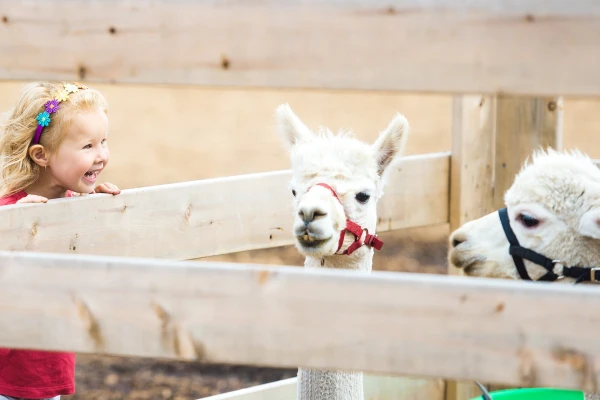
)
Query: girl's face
[{"x": 82, "y": 154}]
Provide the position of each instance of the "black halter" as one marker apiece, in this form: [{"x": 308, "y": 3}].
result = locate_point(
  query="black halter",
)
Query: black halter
[{"x": 518, "y": 253}]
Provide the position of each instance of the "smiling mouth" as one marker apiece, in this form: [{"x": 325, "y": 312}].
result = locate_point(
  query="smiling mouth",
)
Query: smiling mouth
[
  {"x": 308, "y": 241},
  {"x": 92, "y": 174}
]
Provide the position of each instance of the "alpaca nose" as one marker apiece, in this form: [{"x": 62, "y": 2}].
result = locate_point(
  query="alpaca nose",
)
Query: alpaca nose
[
  {"x": 309, "y": 214},
  {"x": 457, "y": 238}
]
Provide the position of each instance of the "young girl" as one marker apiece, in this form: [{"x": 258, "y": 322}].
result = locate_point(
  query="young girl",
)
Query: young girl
[{"x": 52, "y": 145}]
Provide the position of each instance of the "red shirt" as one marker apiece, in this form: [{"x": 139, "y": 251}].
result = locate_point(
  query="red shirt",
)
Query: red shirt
[{"x": 35, "y": 374}]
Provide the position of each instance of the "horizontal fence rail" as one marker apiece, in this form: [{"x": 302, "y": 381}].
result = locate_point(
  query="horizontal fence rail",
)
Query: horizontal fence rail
[
  {"x": 209, "y": 217},
  {"x": 375, "y": 388},
  {"x": 429, "y": 326},
  {"x": 278, "y": 390},
  {"x": 535, "y": 47}
]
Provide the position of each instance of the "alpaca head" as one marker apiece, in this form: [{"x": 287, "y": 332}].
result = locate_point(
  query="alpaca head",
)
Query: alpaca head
[
  {"x": 553, "y": 208},
  {"x": 353, "y": 169}
]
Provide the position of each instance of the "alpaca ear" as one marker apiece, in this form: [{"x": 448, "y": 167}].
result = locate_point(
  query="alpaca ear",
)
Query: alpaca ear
[
  {"x": 290, "y": 128},
  {"x": 589, "y": 224},
  {"x": 391, "y": 142}
]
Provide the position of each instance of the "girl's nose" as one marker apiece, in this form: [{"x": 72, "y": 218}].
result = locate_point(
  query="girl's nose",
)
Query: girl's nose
[{"x": 102, "y": 156}]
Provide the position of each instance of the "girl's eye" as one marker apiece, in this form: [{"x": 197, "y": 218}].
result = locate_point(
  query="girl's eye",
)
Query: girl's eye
[
  {"x": 362, "y": 197},
  {"x": 528, "y": 220},
  {"x": 87, "y": 146}
]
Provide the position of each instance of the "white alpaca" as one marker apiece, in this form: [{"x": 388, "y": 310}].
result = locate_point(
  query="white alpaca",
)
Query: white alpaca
[
  {"x": 553, "y": 209},
  {"x": 336, "y": 183}
]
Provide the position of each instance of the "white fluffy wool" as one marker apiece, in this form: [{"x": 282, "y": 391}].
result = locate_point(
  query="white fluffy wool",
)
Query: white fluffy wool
[{"x": 329, "y": 385}]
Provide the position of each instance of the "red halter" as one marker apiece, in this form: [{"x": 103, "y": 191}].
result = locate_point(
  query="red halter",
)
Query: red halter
[{"x": 356, "y": 230}]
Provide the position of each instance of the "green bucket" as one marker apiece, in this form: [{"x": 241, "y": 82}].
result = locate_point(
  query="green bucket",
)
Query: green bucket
[{"x": 535, "y": 394}]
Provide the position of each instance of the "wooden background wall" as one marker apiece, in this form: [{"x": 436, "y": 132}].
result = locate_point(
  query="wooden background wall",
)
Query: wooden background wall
[{"x": 163, "y": 134}]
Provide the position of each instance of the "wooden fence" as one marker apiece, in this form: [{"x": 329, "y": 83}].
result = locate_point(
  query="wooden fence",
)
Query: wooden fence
[
  {"x": 107, "y": 271},
  {"x": 382, "y": 323}
]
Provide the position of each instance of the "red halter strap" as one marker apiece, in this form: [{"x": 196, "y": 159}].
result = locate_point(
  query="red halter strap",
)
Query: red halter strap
[{"x": 361, "y": 235}]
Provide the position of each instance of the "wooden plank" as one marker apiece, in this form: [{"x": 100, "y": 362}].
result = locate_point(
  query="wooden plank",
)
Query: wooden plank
[
  {"x": 209, "y": 217},
  {"x": 522, "y": 125},
  {"x": 375, "y": 388},
  {"x": 420, "y": 325},
  {"x": 461, "y": 390},
  {"x": 532, "y": 47},
  {"x": 417, "y": 193},
  {"x": 280, "y": 390},
  {"x": 472, "y": 163},
  {"x": 581, "y": 124},
  {"x": 401, "y": 388}
]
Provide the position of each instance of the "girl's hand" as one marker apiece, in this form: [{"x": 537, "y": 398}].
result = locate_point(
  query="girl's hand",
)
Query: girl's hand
[
  {"x": 107, "y": 188},
  {"x": 32, "y": 198}
]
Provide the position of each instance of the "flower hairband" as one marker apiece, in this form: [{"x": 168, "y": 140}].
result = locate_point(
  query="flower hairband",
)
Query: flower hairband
[{"x": 52, "y": 106}]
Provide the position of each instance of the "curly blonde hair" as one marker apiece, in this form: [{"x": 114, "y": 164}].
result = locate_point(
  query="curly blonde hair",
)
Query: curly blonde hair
[{"x": 17, "y": 129}]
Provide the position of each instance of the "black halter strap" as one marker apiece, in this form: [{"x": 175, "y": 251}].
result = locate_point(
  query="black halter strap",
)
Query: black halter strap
[{"x": 519, "y": 253}]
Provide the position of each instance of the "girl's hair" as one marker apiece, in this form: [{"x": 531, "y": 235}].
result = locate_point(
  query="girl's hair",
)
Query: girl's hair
[{"x": 18, "y": 126}]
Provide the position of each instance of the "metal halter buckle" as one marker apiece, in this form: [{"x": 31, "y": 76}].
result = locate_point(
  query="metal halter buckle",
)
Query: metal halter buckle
[
  {"x": 558, "y": 262},
  {"x": 593, "y": 274}
]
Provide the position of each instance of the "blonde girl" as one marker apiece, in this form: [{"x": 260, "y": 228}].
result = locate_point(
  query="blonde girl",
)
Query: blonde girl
[{"x": 53, "y": 144}]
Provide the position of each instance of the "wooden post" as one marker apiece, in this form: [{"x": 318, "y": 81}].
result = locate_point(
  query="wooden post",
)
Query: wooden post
[
  {"x": 471, "y": 182},
  {"x": 491, "y": 138},
  {"x": 472, "y": 160},
  {"x": 523, "y": 125}
]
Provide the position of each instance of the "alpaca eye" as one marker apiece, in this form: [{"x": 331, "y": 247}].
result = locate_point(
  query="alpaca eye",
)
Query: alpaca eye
[
  {"x": 528, "y": 220},
  {"x": 362, "y": 197},
  {"x": 293, "y": 192}
]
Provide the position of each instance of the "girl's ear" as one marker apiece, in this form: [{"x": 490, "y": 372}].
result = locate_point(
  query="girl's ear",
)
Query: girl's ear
[{"x": 39, "y": 155}]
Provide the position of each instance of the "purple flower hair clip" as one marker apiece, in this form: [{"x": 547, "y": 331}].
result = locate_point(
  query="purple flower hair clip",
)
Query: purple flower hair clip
[{"x": 53, "y": 106}]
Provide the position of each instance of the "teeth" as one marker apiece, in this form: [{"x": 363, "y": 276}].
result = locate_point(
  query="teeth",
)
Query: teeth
[{"x": 307, "y": 238}]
